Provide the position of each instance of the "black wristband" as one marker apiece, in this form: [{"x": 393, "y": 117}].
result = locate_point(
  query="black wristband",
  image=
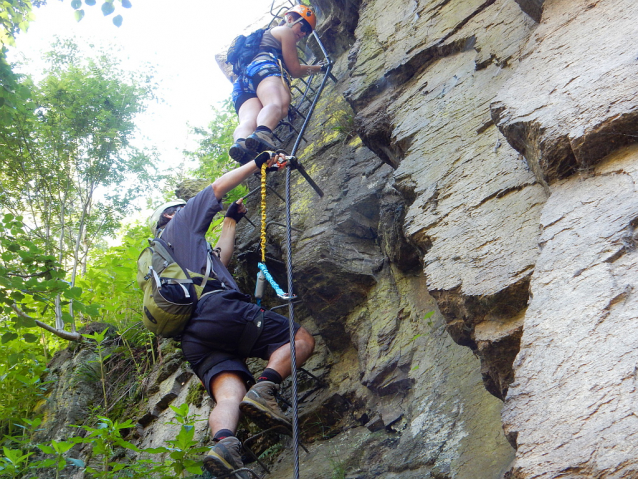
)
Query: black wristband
[
  {"x": 234, "y": 213},
  {"x": 262, "y": 158}
]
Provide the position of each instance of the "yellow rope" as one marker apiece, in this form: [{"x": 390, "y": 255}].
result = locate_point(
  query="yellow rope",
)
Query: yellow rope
[{"x": 263, "y": 213}]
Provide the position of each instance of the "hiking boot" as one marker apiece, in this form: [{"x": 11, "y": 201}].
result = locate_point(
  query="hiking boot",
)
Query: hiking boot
[
  {"x": 261, "y": 407},
  {"x": 261, "y": 141},
  {"x": 240, "y": 153},
  {"x": 224, "y": 458}
]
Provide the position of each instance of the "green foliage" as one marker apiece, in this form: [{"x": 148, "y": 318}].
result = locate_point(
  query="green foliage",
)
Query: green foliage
[
  {"x": 14, "y": 93},
  {"x": 213, "y": 158},
  {"x": 13, "y": 462},
  {"x": 58, "y": 449},
  {"x": 214, "y": 143},
  {"x": 111, "y": 278},
  {"x": 346, "y": 126},
  {"x": 179, "y": 457},
  {"x": 272, "y": 451},
  {"x": 103, "y": 356},
  {"x": 428, "y": 315},
  {"x": 77, "y": 144},
  {"x": 25, "y": 269},
  {"x": 184, "y": 449},
  {"x": 24, "y": 349},
  {"x": 17, "y": 463},
  {"x": 181, "y": 415},
  {"x": 14, "y": 18},
  {"x": 79, "y": 141},
  {"x": 105, "y": 438},
  {"x": 195, "y": 395},
  {"x": 29, "y": 428},
  {"x": 61, "y": 164},
  {"x": 69, "y": 137},
  {"x": 30, "y": 280},
  {"x": 21, "y": 366},
  {"x": 108, "y": 7},
  {"x": 338, "y": 469}
]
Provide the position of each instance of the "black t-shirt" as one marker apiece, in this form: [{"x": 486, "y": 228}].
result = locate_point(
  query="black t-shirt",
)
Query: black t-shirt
[{"x": 186, "y": 234}]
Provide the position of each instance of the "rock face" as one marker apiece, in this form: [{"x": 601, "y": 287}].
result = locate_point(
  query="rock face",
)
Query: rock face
[
  {"x": 576, "y": 372},
  {"x": 473, "y": 202},
  {"x": 568, "y": 120},
  {"x": 477, "y": 236}
]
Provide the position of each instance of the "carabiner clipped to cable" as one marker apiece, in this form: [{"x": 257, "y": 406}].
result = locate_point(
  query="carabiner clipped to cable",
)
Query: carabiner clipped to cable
[
  {"x": 280, "y": 292},
  {"x": 281, "y": 159}
]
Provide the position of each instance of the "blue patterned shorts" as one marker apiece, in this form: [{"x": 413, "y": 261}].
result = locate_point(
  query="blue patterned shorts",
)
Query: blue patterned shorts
[{"x": 245, "y": 87}]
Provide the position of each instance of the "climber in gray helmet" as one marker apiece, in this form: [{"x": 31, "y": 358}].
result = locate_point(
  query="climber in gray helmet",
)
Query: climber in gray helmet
[{"x": 225, "y": 327}]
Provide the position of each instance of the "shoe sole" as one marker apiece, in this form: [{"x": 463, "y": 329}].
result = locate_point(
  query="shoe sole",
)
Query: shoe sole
[
  {"x": 240, "y": 155},
  {"x": 217, "y": 465},
  {"x": 261, "y": 415},
  {"x": 255, "y": 144}
]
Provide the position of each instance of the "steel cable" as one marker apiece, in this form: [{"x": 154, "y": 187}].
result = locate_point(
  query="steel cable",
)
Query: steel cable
[
  {"x": 291, "y": 319},
  {"x": 291, "y": 327}
]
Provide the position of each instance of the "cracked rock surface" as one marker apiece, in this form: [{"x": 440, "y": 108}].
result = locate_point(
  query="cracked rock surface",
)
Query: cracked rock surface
[
  {"x": 576, "y": 372},
  {"x": 572, "y": 98}
]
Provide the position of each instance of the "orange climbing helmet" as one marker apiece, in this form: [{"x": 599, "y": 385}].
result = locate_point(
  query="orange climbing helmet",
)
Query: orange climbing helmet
[{"x": 306, "y": 13}]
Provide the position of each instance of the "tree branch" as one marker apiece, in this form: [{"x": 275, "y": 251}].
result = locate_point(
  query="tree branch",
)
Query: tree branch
[{"x": 61, "y": 334}]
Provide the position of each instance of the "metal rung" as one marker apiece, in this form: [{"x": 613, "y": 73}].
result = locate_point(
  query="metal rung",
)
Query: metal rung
[
  {"x": 237, "y": 471},
  {"x": 282, "y": 225},
  {"x": 296, "y": 109},
  {"x": 307, "y": 83},
  {"x": 292, "y": 127},
  {"x": 250, "y": 193}
]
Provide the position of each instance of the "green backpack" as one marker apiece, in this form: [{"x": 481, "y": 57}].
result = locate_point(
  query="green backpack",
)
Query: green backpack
[{"x": 170, "y": 295}]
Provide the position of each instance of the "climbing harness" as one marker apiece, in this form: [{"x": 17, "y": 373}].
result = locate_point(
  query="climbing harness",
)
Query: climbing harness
[{"x": 281, "y": 71}]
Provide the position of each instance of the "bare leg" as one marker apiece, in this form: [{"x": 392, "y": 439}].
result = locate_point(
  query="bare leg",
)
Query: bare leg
[
  {"x": 247, "y": 118},
  {"x": 228, "y": 391},
  {"x": 280, "y": 359},
  {"x": 275, "y": 98},
  {"x": 260, "y": 404}
]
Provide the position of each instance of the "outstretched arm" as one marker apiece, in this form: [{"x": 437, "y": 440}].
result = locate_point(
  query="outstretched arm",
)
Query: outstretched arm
[
  {"x": 289, "y": 51},
  {"x": 228, "y": 181},
  {"x": 223, "y": 185}
]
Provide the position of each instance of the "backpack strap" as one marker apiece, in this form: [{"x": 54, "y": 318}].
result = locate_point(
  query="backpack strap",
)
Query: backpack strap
[
  {"x": 181, "y": 282},
  {"x": 165, "y": 252},
  {"x": 209, "y": 269}
]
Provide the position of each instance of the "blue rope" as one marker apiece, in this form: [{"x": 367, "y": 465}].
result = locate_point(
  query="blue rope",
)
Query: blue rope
[{"x": 280, "y": 292}]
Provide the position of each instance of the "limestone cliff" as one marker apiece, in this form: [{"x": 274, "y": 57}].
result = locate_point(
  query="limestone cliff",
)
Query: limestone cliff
[{"x": 477, "y": 235}]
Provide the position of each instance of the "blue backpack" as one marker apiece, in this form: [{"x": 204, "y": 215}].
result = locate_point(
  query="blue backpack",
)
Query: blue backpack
[{"x": 243, "y": 50}]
